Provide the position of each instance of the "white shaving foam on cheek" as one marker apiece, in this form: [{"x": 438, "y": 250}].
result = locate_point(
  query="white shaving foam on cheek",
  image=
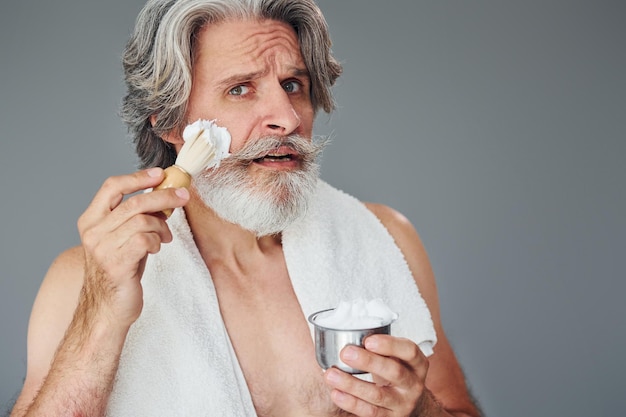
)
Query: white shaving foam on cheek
[{"x": 210, "y": 132}]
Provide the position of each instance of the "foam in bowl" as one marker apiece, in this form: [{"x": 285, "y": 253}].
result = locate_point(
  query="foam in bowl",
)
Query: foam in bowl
[{"x": 357, "y": 314}]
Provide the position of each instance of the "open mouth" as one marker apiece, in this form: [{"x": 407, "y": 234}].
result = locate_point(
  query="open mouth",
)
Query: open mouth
[
  {"x": 276, "y": 158},
  {"x": 282, "y": 154}
]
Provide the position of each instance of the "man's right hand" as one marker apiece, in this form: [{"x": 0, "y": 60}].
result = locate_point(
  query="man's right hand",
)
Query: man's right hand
[
  {"x": 90, "y": 297},
  {"x": 118, "y": 234}
]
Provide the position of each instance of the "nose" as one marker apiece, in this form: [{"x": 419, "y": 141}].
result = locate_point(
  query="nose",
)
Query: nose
[{"x": 280, "y": 116}]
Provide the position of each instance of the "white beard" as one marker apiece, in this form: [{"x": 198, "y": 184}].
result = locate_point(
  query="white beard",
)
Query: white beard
[{"x": 268, "y": 201}]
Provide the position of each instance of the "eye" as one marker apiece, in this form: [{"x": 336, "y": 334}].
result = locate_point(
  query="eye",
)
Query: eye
[
  {"x": 292, "y": 86},
  {"x": 240, "y": 90}
]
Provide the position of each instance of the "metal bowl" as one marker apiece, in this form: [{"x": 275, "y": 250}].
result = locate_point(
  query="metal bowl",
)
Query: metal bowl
[{"x": 329, "y": 342}]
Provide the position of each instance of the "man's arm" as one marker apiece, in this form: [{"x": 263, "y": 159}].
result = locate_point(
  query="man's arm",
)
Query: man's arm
[
  {"x": 407, "y": 383},
  {"x": 71, "y": 359},
  {"x": 51, "y": 315},
  {"x": 445, "y": 379},
  {"x": 90, "y": 298}
]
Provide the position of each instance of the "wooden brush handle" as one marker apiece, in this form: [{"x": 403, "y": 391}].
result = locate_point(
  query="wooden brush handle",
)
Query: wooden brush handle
[{"x": 175, "y": 177}]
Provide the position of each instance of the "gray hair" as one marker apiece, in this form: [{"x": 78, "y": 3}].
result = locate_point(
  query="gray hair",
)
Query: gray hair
[{"x": 158, "y": 58}]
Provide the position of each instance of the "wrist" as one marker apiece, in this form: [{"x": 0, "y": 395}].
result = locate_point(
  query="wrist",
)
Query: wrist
[
  {"x": 82, "y": 372},
  {"x": 94, "y": 331},
  {"x": 429, "y": 406}
]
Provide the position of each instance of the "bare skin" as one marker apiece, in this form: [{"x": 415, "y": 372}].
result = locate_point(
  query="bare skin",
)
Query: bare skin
[{"x": 92, "y": 293}]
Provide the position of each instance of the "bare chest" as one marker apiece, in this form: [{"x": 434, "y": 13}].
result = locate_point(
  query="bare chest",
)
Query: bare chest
[{"x": 274, "y": 346}]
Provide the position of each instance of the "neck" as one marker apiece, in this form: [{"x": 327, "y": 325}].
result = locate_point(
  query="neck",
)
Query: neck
[{"x": 223, "y": 241}]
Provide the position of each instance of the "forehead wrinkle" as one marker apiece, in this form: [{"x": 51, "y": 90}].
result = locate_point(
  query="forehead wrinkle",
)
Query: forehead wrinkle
[
  {"x": 271, "y": 40},
  {"x": 260, "y": 46}
]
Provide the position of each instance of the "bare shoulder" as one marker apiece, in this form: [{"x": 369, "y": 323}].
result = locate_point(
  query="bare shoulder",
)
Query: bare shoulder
[
  {"x": 52, "y": 313},
  {"x": 396, "y": 223},
  {"x": 388, "y": 216},
  {"x": 410, "y": 243},
  {"x": 60, "y": 287},
  {"x": 401, "y": 230},
  {"x": 445, "y": 377}
]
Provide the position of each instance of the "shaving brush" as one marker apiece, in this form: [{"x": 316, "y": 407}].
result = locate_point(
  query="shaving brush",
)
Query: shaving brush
[{"x": 205, "y": 145}]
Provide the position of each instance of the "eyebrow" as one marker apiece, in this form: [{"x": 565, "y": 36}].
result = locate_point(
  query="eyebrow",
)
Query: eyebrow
[
  {"x": 301, "y": 72},
  {"x": 243, "y": 78},
  {"x": 239, "y": 79}
]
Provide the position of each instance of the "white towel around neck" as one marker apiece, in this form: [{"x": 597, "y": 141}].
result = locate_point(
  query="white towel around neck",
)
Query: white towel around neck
[{"x": 178, "y": 359}]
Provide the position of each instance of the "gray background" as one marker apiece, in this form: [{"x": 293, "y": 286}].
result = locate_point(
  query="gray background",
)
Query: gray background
[{"x": 498, "y": 128}]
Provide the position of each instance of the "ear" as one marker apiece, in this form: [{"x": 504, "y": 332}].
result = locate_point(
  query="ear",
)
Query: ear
[{"x": 169, "y": 137}]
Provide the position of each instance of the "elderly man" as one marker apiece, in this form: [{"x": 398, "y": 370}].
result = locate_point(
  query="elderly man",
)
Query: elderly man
[{"x": 214, "y": 322}]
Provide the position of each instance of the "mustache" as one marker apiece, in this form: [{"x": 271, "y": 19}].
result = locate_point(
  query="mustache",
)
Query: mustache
[{"x": 307, "y": 150}]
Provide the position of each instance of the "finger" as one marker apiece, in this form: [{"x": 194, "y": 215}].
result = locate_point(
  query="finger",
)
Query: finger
[
  {"x": 138, "y": 205},
  {"x": 113, "y": 190},
  {"x": 117, "y": 238},
  {"x": 127, "y": 260},
  {"x": 152, "y": 203},
  {"x": 355, "y": 406},
  {"x": 112, "y": 193},
  {"x": 111, "y": 231},
  {"x": 387, "y": 369},
  {"x": 403, "y": 349},
  {"x": 358, "y": 389},
  {"x": 138, "y": 246}
]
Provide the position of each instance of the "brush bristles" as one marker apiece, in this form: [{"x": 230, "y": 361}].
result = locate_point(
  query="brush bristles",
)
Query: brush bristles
[{"x": 195, "y": 155}]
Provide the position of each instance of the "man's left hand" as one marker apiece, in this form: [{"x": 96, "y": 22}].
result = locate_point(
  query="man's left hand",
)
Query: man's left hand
[{"x": 398, "y": 368}]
